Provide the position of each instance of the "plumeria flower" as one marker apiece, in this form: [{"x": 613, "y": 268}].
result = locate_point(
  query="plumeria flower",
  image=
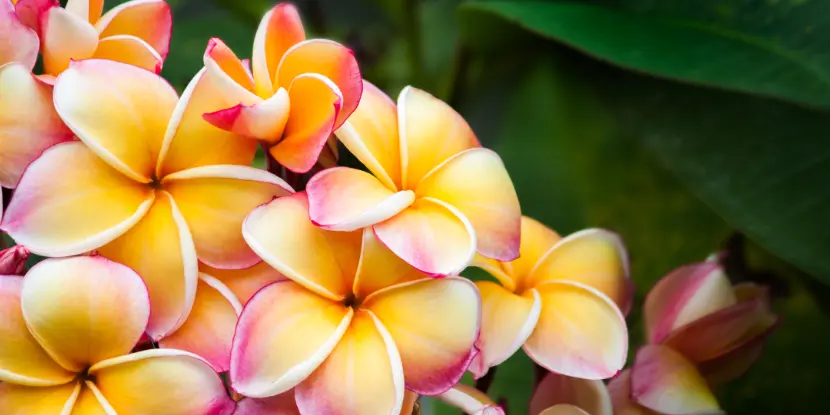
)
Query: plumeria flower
[
  {"x": 470, "y": 400},
  {"x": 18, "y": 42},
  {"x": 354, "y": 327},
  {"x": 286, "y": 404},
  {"x": 563, "y": 395},
  {"x": 561, "y": 300},
  {"x": 298, "y": 93},
  {"x": 65, "y": 343},
  {"x": 434, "y": 196},
  {"x": 135, "y": 189}
]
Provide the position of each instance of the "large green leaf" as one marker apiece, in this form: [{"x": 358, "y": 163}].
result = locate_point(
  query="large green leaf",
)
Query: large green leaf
[{"x": 772, "y": 48}]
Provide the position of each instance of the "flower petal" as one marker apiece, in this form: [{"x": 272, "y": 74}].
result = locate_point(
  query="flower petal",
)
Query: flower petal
[
  {"x": 160, "y": 249},
  {"x": 282, "y": 404},
  {"x": 244, "y": 283},
  {"x": 50, "y": 211},
  {"x": 85, "y": 309},
  {"x": 430, "y": 132},
  {"x": 22, "y": 360},
  {"x": 329, "y": 59},
  {"x": 380, "y": 268},
  {"x": 507, "y": 320},
  {"x": 283, "y": 236},
  {"x": 498, "y": 270},
  {"x": 685, "y": 295},
  {"x": 476, "y": 183},
  {"x": 264, "y": 120},
  {"x": 537, "y": 240},
  {"x": 346, "y": 199},
  {"x": 665, "y": 382},
  {"x": 214, "y": 201},
  {"x": 564, "y": 409},
  {"x": 315, "y": 105},
  {"x": 376, "y": 388},
  {"x": 231, "y": 74},
  {"x": 208, "y": 330},
  {"x": 431, "y": 235},
  {"x": 28, "y": 400},
  {"x": 470, "y": 400},
  {"x": 131, "y": 50},
  {"x": 18, "y": 43},
  {"x": 434, "y": 323},
  {"x": 89, "y": 10},
  {"x": 580, "y": 333},
  {"x": 280, "y": 29},
  {"x": 619, "y": 388},
  {"x": 120, "y": 111},
  {"x": 148, "y": 382},
  {"x": 371, "y": 134},
  {"x": 588, "y": 395},
  {"x": 284, "y": 333},
  {"x": 149, "y": 20},
  {"x": 736, "y": 362},
  {"x": 28, "y": 121},
  {"x": 91, "y": 402},
  {"x": 593, "y": 257},
  {"x": 65, "y": 37}
]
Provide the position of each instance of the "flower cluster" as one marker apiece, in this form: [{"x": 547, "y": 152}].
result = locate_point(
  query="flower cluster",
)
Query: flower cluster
[{"x": 171, "y": 260}]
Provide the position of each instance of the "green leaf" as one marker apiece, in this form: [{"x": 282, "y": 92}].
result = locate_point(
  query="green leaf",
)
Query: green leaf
[{"x": 771, "y": 48}]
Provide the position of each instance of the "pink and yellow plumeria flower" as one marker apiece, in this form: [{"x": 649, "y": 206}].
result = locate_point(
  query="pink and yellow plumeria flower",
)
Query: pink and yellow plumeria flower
[
  {"x": 561, "y": 300},
  {"x": 68, "y": 328},
  {"x": 18, "y": 42},
  {"x": 434, "y": 196},
  {"x": 298, "y": 93},
  {"x": 563, "y": 395},
  {"x": 354, "y": 328},
  {"x": 470, "y": 400},
  {"x": 131, "y": 188}
]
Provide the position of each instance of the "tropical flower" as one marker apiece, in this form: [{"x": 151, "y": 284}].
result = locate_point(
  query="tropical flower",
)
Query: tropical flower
[
  {"x": 354, "y": 327},
  {"x": 135, "y": 189},
  {"x": 561, "y": 299},
  {"x": 563, "y": 395},
  {"x": 434, "y": 196},
  {"x": 471, "y": 400},
  {"x": 18, "y": 43},
  {"x": 298, "y": 93},
  {"x": 68, "y": 328}
]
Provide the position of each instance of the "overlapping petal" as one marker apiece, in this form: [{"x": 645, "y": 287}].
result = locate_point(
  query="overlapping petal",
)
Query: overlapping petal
[
  {"x": 537, "y": 240},
  {"x": 244, "y": 283},
  {"x": 131, "y": 50},
  {"x": 619, "y": 388},
  {"x": 148, "y": 20},
  {"x": 282, "y": 404},
  {"x": 27, "y": 400},
  {"x": 380, "y": 268},
  {"x": 89, "y": 10},
  {"x": 470, "y": 400},
  {"x": 18, "y": 43},
  {"x": 564, "y": 409},
  {"x": 263, "y": 120},
  {"x": 91, "y": 402},
  {"x": 588, "y": 395},
  {"x": 280, "y": 29},
  {"x": 65, "y": 37},
  {"x": 231, "y": 73}
]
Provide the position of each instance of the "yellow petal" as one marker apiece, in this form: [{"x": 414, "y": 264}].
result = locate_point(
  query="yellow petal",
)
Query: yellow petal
[
  {"x": 120, "y": 111},
  {"x": 430, "y": 133},
  {"x": 278, "y": 30},
  {"x": 18, "y": 43},
  {"x": 89, "y": 10},
  {"x": 84, "y": 309},
  {"x": 284, "y": 333},
  {"x": 28, "y": 400},
  {"x": 91, "y": 402},
  {"x": 375, "y": 388},
  {"x": 470, "y": 400},
  {"x": 476, "y": 183},
  {"x": 588, "y": 395},
  {"x": 69, "y": 202},
  {"x": 244, "y": 283},
  {"x": 498, "y": 270},
  {"x": 434, "y": 323},
  {"x": 65, "y": 37},
  {"x": 148, "y": 20},
  {"x": 160, "y": 249},
  {"x": 380, "y": 268},
  {"x": 131, "y": 50},
  {"x": 22, "y": 360},
  {"x": 231, "y": 74},
  {"x": 537, "y": 240},
  {"x": 283, "y": 236}
]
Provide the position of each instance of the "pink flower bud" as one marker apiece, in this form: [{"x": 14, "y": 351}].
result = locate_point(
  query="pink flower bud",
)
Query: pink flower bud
[{"x": 13, "y": 260}]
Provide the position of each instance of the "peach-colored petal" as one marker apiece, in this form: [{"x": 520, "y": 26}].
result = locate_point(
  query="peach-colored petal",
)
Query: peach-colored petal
[
  {"x": 282, "y": 404},
  {"x": 580, "y": 332},
  {"x": 434, "y": 323},
  {"x": 244, "y": 283},
  {"x": 346, "y": 199},
  {"x": 507, "y": 320},
  {"x": 593, "y": 257},
  {"x": 28, "y": 400},
  {"x": 564, "y": 409},
  {"x": 619, "y": 388},
  {"x": 149, "y": 20},
  {"x": 65, "y": 37},
  {"x": 380, "y": 268},
  {"x": 208, "y": 330},
  {"x": 685, "y": 295},
  {"x": 22, "y": 360},
  {"x": 160, "y": 249},
  {"x": 214, "y": 201},
  {"x": 28, "y": 121},
  {"x": 284, "y": 333},
  {"x": 89, "y": 10},
  {"x": 375, "y": 388},
  {"x": 120, "y": 111},
  {"x": 84, "y": 309},
  {"x": 129, "y": 49},
  {"x": 537, "y": 240},
  {"x": 499, "y": 270},
  {"x": 91, "y": 402},
  {"x": 50, "y": 211},
  {"x": 18, "y": 43},
  {"x": 231, "y": 73},
  {"x": 476, "y": 183},
  {"x": 371, "y": 134},
  {"x": 283, "y": 236},
  {"x": 430, "y": 132},
  {"x": 331, "y": 60},
  {"x": 315, "y": 105},
  {"x": 665, "y": 382},
  {"x": 280, "y": 29},
  {"x": 431, "y": 236},
  {"x": 264, "y": 120},
  {"x": 556, "y": 389},
  {"x": 470, "y": 400},
  {"x": 162, "y": 381}
]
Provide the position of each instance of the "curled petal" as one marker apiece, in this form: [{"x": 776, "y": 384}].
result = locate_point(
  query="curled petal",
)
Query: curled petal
[
  {"x": 18, "y": 43},
  {"x": 282, "y": 404},
  {"x": 149, "y": 20},
  {"x": 470, "y": 400},
  {"x": 28, "y": 400},
  {"x": 588, "y": 395},
  {"x": 65, "y": 37},
  {"x": 736, "y": 362},
  {"x": 244, "y": 283},
  {"x": 129, "y": 49},
  {"x": 29, "y": 12},
  {"x": 380, "y": 268},
  {"x": 231, "y": 74},
  {"x": 264, "y": 120},
  {"x": 13, "y": 260},
  {"x": 280, "y": 29}
]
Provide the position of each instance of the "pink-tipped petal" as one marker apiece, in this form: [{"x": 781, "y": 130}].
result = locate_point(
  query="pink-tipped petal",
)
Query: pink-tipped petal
[
  {"x": 29, "y": 12},
  {"x": 244, "y": 283},
  {"x": 149, "y": 20},
  {"x": 555, "y": 389},
  {"x": 619, "y": 388},
  {"x": 264, "y": 120},
  {"x": 282, "y": 404},
  {"x": 284, "y": 333},
  {"x": 434, "y": 323},
  {"x": 280, "y": 29},
  {"x": 731, "y": 365},
  {"x": 470, "y": 400},
  {"x": 476, "y": 183},
  {"x": 18, "y": 43},
  {"x": 131, "y": 50},
  {"x": 346, "y": 199},
  {"x": 580, "y": 332},
  {"x": 28, "y": 400},
  {"x": 65, "y": 37},
  {"x": 13, "y": 260},
  {"x": 380, "y": 268},
  {"x": 231, "y": 74}
]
